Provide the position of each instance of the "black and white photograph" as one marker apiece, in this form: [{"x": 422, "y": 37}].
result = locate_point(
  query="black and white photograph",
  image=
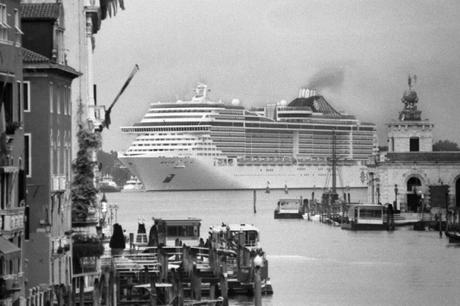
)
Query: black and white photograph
[{"x": 229, "y": 152}]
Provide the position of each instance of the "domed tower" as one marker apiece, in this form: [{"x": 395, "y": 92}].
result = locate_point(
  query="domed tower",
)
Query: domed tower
[{"x": 410, "y": 133}]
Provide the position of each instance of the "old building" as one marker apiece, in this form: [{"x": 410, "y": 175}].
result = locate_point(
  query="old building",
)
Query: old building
[
  {"x": 48, "y": 137},
  {"x": 411, "y": 175},
  {"x": 12, "y": 177}
]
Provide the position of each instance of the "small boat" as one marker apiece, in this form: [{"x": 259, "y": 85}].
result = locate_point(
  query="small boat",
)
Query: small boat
[
  {"x": 108, "y": 185},
  {"x": 364, "y": 217},
  {"x": 289, "y": 209},
  {"x": 133, "y": 184},
  {"x": 454, "y": 237}
]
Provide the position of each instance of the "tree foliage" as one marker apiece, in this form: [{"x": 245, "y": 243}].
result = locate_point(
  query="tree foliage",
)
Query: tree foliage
[
  {"x": 445, "y": 145},
  {"x": 83, "y": 191}
]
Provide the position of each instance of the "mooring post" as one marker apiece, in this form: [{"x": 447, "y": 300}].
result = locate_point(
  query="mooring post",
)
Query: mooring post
[
  {"x": 223, "y": 286},
  {"x": 82, "y": 291},
  {"x": 107, "y": 278},
  {"x": 117, "y": 288},
  {"x": 153, "y": 290},
  {"x": 255, "y": 200},
  {"x": 440, "y": 225},
  {"x": 96, "y": 294},
  {"x": 258, "y": 263},
  {"x": 72, "y": 293},
  {"x": 196, "y": 284}
]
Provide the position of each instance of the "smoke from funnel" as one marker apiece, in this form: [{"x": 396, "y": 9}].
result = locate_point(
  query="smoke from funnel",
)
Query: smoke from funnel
[{"x": 331, "y": 78}]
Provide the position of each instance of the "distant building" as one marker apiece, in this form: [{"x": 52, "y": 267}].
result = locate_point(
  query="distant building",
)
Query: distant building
[
  {"x": 48, "y": 138},
  {"x": 12, "y": 176},
  {"x": 410, "y": 174}
]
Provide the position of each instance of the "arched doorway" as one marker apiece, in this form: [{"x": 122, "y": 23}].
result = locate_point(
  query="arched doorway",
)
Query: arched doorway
[{"x": 413, "y": 199}]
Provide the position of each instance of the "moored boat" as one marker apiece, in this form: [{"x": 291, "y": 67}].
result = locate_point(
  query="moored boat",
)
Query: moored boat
[
  {"x": 289, "y": 209},
  {"x": 364, "y": 217},
  {"x": 107, "y": 184},
  {"x": 133, "y": 184}
]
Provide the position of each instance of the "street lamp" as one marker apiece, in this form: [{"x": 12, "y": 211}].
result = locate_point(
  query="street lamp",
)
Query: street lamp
[{"x": 104, "y": 207}]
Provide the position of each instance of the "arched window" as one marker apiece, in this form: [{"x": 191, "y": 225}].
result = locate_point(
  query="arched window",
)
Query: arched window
[{"x": 412, "y": 183}]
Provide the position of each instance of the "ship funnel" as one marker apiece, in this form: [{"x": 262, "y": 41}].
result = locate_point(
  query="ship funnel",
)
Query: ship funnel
[{"x": 306, "y": 93}]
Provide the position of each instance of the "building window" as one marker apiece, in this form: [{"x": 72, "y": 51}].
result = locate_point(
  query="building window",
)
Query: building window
[
  {"x": 51, "y": 97},
  {"x": 28, "y": 154},
  {"x": 414, "y": 144},
  {"x": 3, "y": 23},
  {"x": 26, "y": 95},
  {"x": 58, "y": 100},
  {"x": 6, "y": 92},
  {"x": 19, "y": 97}
]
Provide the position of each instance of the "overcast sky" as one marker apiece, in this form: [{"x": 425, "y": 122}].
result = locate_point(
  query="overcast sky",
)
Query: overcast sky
[{"x": 357, "y": 53}]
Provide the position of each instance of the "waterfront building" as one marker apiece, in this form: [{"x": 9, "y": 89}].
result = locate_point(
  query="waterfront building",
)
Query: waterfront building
[
  {"x": 411, "y": 175},
  {"x": 12, "y": 175},
  {"x": 47, "y": 117},
  {"x": 83, "y": 21}
]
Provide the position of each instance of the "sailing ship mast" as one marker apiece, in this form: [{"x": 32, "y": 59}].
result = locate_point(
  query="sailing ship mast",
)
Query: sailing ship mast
[{"x": 334, "y": 164}]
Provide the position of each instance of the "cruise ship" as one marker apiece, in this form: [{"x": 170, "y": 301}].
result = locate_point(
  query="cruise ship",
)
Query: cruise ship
[{"x": 211, "y": 145}]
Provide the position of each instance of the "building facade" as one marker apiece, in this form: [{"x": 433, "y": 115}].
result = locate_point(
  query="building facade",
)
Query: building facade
[
  {"x": 411, "y": 175},
  {"x": 48, "y": 138},
  {"x": 12, "y": 175}
]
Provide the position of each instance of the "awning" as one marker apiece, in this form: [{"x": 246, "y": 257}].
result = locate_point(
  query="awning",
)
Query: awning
[{"x": 6, "y": 247}]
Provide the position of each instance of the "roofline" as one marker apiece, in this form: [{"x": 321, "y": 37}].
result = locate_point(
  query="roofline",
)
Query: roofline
[{"x": 53, "y": 66}]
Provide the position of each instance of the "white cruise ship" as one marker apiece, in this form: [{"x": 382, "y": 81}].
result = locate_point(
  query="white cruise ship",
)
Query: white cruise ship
[{"x": 204, "y": 145}]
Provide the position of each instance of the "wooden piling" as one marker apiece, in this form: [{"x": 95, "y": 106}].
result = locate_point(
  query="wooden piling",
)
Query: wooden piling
[
  {"x": 255, "y": 200},
  {"x": 117, "y": 288},
  {"x": 257, "y": 287},
  {"x": 153, "y": 290},
  {"x": 223, "y": 286},
  {"x": 108, "y": 290},
  {"x": 74, "y": 290},
  {"x": 82, "y": 291},
  {"x": 196, "y": 284}
]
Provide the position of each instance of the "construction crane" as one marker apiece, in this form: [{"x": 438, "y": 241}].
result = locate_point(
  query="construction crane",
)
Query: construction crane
[{"x": 106, "y": 123}]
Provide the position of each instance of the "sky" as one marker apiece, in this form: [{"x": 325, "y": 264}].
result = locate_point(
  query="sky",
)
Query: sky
[{"x": 357, "y": 53}]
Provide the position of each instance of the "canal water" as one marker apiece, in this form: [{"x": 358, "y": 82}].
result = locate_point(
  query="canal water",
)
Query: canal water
[{"x": 312, "y": 263}]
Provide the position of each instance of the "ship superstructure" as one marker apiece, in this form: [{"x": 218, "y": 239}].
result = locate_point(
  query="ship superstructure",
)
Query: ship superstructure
[{"x": 203, "y": 144}]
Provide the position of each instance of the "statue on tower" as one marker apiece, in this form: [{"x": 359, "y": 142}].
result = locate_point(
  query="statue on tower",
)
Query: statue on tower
[{"x": 410, "y": 100}]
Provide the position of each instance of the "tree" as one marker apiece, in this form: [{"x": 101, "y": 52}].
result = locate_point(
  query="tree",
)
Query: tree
[
  {"x": 445, "y": 145},
  {"x": 83, "y": 191}
]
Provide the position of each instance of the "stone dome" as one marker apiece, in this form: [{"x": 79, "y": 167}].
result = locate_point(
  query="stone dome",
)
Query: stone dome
[{"x": 410, "y": 96}]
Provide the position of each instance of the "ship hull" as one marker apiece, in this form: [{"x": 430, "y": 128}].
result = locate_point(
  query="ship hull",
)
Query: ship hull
[{"x": 171, "y": 173}]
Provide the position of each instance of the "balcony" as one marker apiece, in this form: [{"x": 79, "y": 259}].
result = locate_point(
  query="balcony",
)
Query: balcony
[
  {"x": 12, "y": 220},
  {"x": 97, "y": 114},
  {"x": 58, "y": 183},
  {"x": 12, "y": 282}
]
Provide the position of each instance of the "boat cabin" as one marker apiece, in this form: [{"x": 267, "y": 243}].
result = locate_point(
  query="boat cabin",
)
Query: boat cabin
[
  {"x": 186, "y": 231},
  {"x": 243, "y": 234},
  {"x": 289, "y": 209},
  {"x": 364, "y": 217}
]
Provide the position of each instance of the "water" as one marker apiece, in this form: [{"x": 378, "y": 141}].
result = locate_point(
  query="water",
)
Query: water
[{"x": 312, "y": 263}]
